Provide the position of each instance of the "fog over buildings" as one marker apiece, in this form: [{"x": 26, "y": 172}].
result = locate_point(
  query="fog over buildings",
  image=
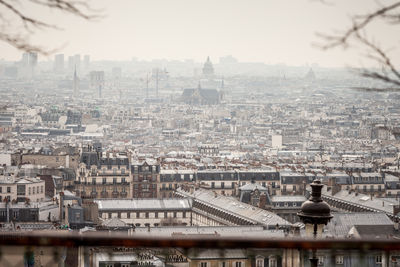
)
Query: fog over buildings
[{"x": 207, "y": 144}]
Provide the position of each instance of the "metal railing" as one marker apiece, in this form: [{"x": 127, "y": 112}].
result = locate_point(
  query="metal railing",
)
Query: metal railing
[
  {"x": 64, "y": 248},
  {"x": 116, "y": 239}
]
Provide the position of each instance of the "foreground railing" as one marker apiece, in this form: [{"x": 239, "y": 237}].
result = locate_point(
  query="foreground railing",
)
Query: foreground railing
[
  {"x": 61, "y": 248},
  {"x": 115, "y": 239}
]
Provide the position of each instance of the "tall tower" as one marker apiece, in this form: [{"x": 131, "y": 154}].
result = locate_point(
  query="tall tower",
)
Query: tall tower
[{"x": 76, "y": 84}]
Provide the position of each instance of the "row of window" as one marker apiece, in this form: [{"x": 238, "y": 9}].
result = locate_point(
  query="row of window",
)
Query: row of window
[
  {"x": 8, "y": 189},
  {"x": 35, "y": 191},
  {"x": 32, "y": 190},
  {"x": 145, "y": 168},
  {"x": 226, "y": 264},
  {"x": 368, "y": 179},
  {"x": 146, "y": 215},
  {"x": 287, "y": 204},
  {"x": 371, "y": 187},
  {"x": 140, "y": 178},
  {"x": 104, "y": 180},
  {"x": 104, "y": 189},
  {"x": 114, "y": 170},
  {"x": 145, "y": 186},
  {"x": 104, "y": 170},
  {"x": 122, "y": 265},
  {"x": 339, "y": 259}
]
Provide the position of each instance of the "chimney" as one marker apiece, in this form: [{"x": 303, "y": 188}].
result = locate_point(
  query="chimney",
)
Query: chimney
[{"x": 263, "y": 201}]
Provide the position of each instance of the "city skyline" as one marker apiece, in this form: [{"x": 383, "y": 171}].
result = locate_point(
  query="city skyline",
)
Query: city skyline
[{"x": 268, "y": 32}]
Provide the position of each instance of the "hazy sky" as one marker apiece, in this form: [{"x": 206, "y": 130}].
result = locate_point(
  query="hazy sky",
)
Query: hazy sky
[{"x": 270, "y": 31}]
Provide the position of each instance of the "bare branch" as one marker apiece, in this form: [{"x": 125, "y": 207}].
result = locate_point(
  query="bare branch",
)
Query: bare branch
[
  {"x": 383, "y": 58},
  {"x": 30, "y": 23},
  {"x": 378, "y": 76},
  {"x": 389, "y": 14},
  {"x": 26, "y": 20},
  {"x": 359, "y": 22}
]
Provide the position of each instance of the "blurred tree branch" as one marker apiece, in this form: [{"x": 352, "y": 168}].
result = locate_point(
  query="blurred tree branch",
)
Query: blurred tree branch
[
  {"x": 389, "y": 14},
  {"x": 12, "y": 13}
]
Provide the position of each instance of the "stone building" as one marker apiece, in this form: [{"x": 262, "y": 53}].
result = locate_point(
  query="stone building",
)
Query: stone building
[
  {"x": 212, "y": 209},
  {"x": 200, "y": 96},
  {"x": 21, "y": 189},
  {"x": 145, "y": 179},
  {"x": 170, "y": 180},
  {"x": 103, "y": 175},
  {"x": 208, "y": 149},
  {"x": 147, "y": 212},
  {"x": 268, "y": 178},
  {"x": 219, "y": 181}
]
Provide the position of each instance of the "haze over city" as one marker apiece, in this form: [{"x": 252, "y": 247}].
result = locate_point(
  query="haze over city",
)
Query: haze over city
[
  {"x": 271, "y": 32},
  {"x": 184, "y": 133}
]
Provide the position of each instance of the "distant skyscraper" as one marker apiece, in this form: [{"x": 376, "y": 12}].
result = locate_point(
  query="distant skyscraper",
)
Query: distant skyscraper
[
  {"x": 77, "y": 62},
  {"x": 86, "y": 62},
  {"x": 76, "y": 84},
  {"x": 208, "y": 69},
  {"x": 97, "y": 81},
  {"x": 59, "y": 63},
  {"x": 25, "y": 59},
  {"x": 71, "y": 63},
  {"x": 29, "y": 61}
]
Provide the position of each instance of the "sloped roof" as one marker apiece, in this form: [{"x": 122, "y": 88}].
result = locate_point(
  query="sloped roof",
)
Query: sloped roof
[
  {"x": 233, "y": 206},
  {"x": 208, "y": 94},
  {"x": 371, "y": 231},
  {"x": 252, "y": 187},
  {"x": 114, "y": 222},
  {"x": 143, "y": 204},
  {"x": 341, "y": 223}
]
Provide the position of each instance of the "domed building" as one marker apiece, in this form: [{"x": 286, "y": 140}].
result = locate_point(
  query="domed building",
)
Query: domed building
[{"x": 208, "y": 69}]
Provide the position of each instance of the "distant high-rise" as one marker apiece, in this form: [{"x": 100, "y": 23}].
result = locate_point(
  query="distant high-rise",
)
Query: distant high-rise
[
  {"x": 97, "y": 81},
  {"x": 76, "y": 84},
  {"x": 71, "y": 63},
  {"x": 86, "y": 62},
  {"x": 77, "y": 62},
  {"x": 29, "y": 59},
  {"x": 59, "y": 63},
  {"x": 28, "y": 63},
  {"x": 208, "y": 69}
]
